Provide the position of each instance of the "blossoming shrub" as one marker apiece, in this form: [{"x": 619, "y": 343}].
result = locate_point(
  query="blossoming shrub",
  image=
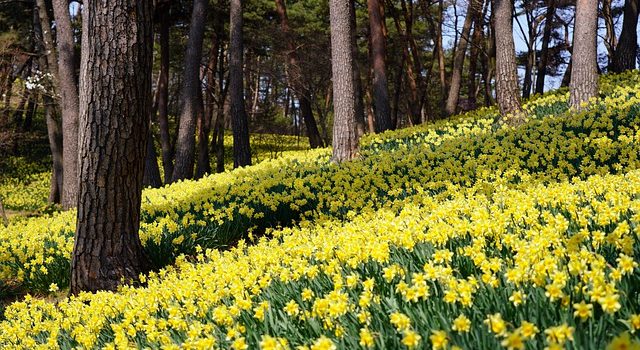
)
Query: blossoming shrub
[
  {"x": 539, "y": 266},
  {"x": 444, "y": 160}
]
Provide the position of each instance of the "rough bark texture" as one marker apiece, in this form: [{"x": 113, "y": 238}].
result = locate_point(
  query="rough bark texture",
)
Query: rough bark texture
[
  {"x": 584, "y": 70},
  {"x": 380, "y": 92},
  {"x": 115, "y": 103},
  {"x": 186, "y": 142},
  {"x": 69, "y": 102},
  {"x": 626, "y": 53},
  {"x": 544, "y": 52},
  {"x": 458, "y": 60},
  {"x": 239, "y": 122},
  {"x": 296, "y": 80},
  {"x": 507, "y": 92},
  {"x": 162, "y": 100},
  {"x": 345, "y": 133}
]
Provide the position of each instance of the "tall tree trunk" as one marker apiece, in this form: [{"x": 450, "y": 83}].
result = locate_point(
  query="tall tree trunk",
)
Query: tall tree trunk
[
  {"x": 69, "y": 101},
  {"x": 506, "y": 74},
  {"x": 584, "y": 71},
  {"x": 162, "y": 101},
  {"x": 544, "y": 52},
  {"x": 610, "y": 36},
  {"x": 476, "y": 45},
  {"x": 191, "y": 89},
  {"x": 203, "y": 165},
  {"x": 239, "y": 122},
  {"x": 626, "y": 53},
  {"x": 380, "y": 92},
  {"x": 54, "y": 129},
  {"x": 296, "y": 78},
  {"x": 114, "y": 123},
  {"x": 442, "y": 69},
  {"x": 458, "y": 60},
  {"x": 345, "y": 130}
]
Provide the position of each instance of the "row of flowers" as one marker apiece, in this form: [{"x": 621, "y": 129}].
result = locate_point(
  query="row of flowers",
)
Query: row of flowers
[{"x": 550, "y": 266}]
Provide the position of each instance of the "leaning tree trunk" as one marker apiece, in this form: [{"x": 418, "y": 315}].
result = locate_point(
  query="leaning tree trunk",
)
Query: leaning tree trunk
[
  {"x": 296, "y": 81},
  {"x": 626, "y": 53},
  {"x": 381, "y": 107},
  {"x": 69, "y": 101},
  {"x": 239, "y": 122},
  {"x": 507, "y": 92},
  {"x": 584, "y": 70},
  {"x": 115, "y": 81},
  {"x": 186, "y": 142},
  {"x": 345, "y": 129},
  {"x": 458, "y": 60}
]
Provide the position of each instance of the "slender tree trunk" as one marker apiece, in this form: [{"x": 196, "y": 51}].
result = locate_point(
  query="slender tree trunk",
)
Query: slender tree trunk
[
  {"x": 203, "y": 165},
  {"x": 584, "y": 70},
  {"x": 442, "y": 69},
  {"x": 476, "y": 44},
  {"x": 32, "y": 108},
  {"x": 54, "y": 128},
  {"x": 357, "y": 81},
  {"x": 626, "y": 52},
  {"x": 458, "y": 60},
  {"x": 162, "y": 100},
  {"x": 610, "y": 36},
  {"x": 397, "y": 91},
  {"x": 544, "y": 52},
  {"x": 506, "y": 74},
  {"x": 114, "y": 122},
  {"x": 239, "y": 122},
  {"x": 296, "y": 78},
  {"x": 185, "y": 145},
  {"x": 345, "y": 130},
  {"x": 380, "y": 92},
  {"x": 69, "y": 101}
]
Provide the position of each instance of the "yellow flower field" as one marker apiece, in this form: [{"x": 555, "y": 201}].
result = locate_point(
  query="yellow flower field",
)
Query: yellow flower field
[{"x": 453, "y": 234}]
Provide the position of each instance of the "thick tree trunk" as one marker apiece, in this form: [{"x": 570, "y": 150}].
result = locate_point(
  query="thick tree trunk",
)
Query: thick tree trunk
[
  {"x": 115, "y": 104},
  {"x": 380, "y": 92},
  {"x": 162, "y": 100},
  {"x": 626, "y": 53},
  {"x": 296, "y": 79},
  {"x": 186, "y": 142},
  {"x": 544, "y": 52},
  {"x": 458, "y": 59},
  {"x": 345, "y": 130},
  {"x": 69, "y": 101},
  {"x": 507, "y": 92},
  {"x": 239, "y": 122},
  {"x": 584, "y": 70}
]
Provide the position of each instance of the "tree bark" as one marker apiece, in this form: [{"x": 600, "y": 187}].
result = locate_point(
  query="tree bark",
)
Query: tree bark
[
  {"x": 69, "y": 101},
  {"x": 458, "y": 60},
  {"x": 610, "y": 36},
  {"x": 626, "y": 53},
  {"x": 185, "y": 144},
  {"x": 151, "y": 171},
  {"x": 584, "y": 70},
  {"x": 442, "y": 69},
  {"x": 357, "y": 81},
  {"x": 380, "y": 91},
  {"x": 115, "y": 106},
  {"x": 296, "y": 78},
  {"x": 476, "y": 45},
  {"x": 544, "y": 51},
  {"x": 507, "y": 92},
  {"x": 345, "y": 130},
  {"x": 239, "y": 122}
]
